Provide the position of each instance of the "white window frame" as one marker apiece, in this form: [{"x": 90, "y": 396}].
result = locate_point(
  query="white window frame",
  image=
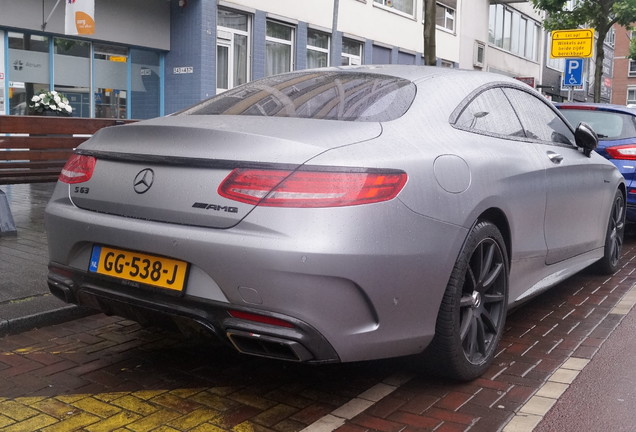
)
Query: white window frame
[
  {"x": 390, "y": 4},
  {"x": 225, "y": 39},
  {"x": 502, "y": 32},
  {"x": 353, "y": 59},
  {"x": 450, "y": 16},
  {"x": 320, "y": 49},
  {"x": 631, "y": 68},
  {"x": 289, "y": 42},
  {"x": 629, "y": 101},
  {"x": 479, "y": 51},
  {"x": 610, "y": 38}
]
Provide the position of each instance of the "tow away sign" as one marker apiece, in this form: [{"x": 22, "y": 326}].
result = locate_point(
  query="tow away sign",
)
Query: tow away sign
[{"x": 577, "y": 43}]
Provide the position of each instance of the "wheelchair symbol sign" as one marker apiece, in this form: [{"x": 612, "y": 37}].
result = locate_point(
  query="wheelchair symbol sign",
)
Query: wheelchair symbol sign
[{"x": 573, "y": 75}]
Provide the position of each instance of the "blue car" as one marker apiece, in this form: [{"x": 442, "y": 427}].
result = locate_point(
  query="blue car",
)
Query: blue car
[{"x": 616, "y": 129}]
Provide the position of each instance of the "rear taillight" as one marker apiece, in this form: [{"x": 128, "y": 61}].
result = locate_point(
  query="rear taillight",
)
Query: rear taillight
[
  {"x": 626, "y": 152},
  {"x": 280, "y": 188},
  {"x": 78, "y": 169}
]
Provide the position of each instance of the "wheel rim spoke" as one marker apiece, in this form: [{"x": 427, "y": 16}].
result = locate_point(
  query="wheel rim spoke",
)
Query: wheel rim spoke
[
  {"x": 617, "y": 226},
  {"x": 487, "y": 257},
  {"x": 482, "y": 301},
  {"x": 467, "y": 320},
  {"x": 493, "y": 276},
  {"x": 488, "y": 322}
]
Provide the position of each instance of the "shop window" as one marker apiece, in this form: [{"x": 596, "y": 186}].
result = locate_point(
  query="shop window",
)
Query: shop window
[
  {"x": 28, "y": 71},
  {"x": 71, "y": 73},
  {"x": 232, "y": 46},
  {"x": 351, "y": 53},
  {"x": 111, "y": 81},
  {"x": 317, "y": 49},
  {"x": 279, "y": 48}
]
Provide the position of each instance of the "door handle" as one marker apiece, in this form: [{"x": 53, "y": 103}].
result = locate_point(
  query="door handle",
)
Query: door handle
[{"x": 555, "y": 157}]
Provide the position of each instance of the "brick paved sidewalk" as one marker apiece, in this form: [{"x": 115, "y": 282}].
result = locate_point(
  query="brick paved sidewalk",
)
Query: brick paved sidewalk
[
  {"x": 100, "y": 373},
  {"x": 25, "y": 300},
  {"x": 106, "y": 373}
]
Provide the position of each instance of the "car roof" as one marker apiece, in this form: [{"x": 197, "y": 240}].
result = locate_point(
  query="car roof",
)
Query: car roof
[
  {"x": 596, "y": 107},
  {"x": 418, "y": 73}
]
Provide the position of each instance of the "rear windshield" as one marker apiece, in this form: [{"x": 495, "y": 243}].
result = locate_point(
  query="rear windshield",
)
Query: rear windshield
[
  {"x": 608, "y": 125},
  {"x": 335, "y": 95}
]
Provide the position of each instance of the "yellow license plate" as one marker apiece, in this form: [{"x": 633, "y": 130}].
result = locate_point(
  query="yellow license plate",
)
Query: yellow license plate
[{"x": 134, "y": 266}]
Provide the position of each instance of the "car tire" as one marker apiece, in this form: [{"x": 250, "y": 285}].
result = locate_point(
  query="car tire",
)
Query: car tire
[
  {"x": 473, "y": 311},
  {"x": 613, "y": 237}
]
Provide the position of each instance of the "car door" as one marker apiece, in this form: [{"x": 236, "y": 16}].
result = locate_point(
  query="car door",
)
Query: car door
[{"x": 576, "y": 192}]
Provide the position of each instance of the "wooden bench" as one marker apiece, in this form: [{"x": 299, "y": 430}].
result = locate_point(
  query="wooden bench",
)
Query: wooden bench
[{"x": 33, "y": 149}]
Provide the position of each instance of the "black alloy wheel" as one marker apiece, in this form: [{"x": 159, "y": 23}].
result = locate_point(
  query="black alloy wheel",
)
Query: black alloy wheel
[
  {"x": 482, "y": 303},
  {"x": 473, "y": 311},
  {"x": 613, "y": 237}
]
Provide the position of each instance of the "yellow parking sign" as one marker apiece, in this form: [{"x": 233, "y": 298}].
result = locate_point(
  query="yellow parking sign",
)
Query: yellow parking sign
[{"x": 577, "y": 43}]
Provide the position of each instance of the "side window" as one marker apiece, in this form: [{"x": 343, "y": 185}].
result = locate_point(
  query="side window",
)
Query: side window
[
  {"x": 539, "y": 121},
  {"x": 490, "y": 112}
]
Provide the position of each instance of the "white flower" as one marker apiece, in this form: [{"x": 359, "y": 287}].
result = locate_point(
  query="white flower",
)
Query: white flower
[{"x": 50, "y": 101}]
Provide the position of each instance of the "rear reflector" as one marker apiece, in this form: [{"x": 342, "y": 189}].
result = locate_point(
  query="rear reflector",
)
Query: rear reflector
[
  {"x": 280, "y": 188},
  {"x": 625, "y": 152},
  {"x": 260, "y": 318},
  {"x": 78, "y": 169}
]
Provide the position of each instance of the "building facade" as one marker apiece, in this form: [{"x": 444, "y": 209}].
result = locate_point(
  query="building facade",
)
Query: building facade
[
  {"x": 624, "y": 80},
  {"x": 154, "y": 57},
  {"x": 116, "y": 73}
]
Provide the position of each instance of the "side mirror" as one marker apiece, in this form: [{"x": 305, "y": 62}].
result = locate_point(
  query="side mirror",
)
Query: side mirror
[{"x": 585, "y": 138}]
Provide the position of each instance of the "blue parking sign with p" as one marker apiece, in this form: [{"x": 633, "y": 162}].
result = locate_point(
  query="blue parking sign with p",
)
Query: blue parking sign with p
[{"x": 573, "y": 75}]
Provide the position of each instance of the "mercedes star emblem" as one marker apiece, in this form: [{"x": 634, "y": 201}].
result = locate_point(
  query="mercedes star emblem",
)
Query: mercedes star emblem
[{"x": 143, "y": 180}]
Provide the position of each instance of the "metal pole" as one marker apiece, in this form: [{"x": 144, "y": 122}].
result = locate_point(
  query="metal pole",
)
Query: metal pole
[
  {"x": 334, "y": 32},
  {"x": 50, "y": 15}
]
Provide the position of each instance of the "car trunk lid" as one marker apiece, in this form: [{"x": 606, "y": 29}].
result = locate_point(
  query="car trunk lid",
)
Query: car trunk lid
[{"x": 169, "y": 169}]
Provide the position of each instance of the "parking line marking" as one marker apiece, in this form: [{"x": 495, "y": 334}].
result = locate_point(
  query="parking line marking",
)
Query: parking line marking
[{"x": 359, "y": 404}]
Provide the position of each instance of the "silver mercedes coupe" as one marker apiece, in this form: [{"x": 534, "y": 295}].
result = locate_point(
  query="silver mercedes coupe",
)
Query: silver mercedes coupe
[{"x": 338, "y": 215}]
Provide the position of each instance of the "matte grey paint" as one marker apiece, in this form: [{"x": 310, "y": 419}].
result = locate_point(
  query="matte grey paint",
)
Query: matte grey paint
[{"x": 368, "y": 279}]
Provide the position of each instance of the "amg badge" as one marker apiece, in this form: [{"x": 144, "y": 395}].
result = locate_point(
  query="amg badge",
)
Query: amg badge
[{"x": 216, "y": 207}]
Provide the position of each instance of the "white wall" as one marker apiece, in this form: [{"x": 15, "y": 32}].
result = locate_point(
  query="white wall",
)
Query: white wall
[
  {"x": 364, "y": 20},
  {"x": 474, "y": 27}
]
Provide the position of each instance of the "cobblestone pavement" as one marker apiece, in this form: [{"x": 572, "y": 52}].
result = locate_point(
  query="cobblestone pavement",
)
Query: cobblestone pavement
[{"x": 102, "y": 373}]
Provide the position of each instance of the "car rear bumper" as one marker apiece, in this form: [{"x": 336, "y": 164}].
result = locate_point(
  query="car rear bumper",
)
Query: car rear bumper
[
  {"x": 300, "y": 342},
  {"x": 354, "y": 291}
]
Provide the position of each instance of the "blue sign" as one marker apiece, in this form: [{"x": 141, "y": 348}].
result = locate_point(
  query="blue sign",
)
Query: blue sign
[{"x": 573, "y": 75}]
